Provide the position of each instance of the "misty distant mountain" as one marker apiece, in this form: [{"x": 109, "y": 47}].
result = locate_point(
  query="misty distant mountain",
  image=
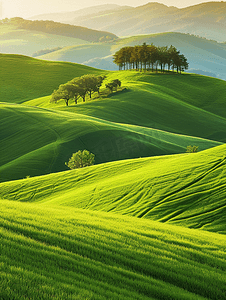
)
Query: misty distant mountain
[
  {"x": 51, "y": 27},
  {"x": 206, "y": 19},
  {"x": 69, "y": 17}
]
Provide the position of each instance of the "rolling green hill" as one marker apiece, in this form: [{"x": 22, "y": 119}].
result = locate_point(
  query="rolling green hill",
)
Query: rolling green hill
[
  {"x": 185, "y": 189},
  {"x": 50, "y": 137},
  {"x": 164, "y": 114},
  {"x": 24, "y": 78},
  {"x": 66, "y": 253},
  {"x": 148, "y": 221}
]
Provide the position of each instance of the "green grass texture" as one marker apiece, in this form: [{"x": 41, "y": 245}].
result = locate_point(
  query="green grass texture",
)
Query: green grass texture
[
  {"x": 185, "y": 189},
  {"x": 24, "y": 78},
  {"x": 67, "y": 253}
]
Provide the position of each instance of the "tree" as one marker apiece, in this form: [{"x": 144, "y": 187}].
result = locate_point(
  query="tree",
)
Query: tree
[
  {"x": 65, "y": 91},
  {"x": 146, "y": 56},
  {"x": 80, "y": 159},
  {"x": 192, "y": 149},
  {"x": 113, "y": 85}
]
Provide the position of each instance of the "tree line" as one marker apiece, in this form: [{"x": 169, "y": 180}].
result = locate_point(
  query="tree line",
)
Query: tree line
[
  {"x": 78, "y": 87},
  {"x": 150, "y": 57}
]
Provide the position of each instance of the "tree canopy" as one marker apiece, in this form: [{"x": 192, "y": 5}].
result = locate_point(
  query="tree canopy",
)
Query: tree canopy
[
  {"x": 78, "y": 87},
  {"x": 145, "y": 57}
]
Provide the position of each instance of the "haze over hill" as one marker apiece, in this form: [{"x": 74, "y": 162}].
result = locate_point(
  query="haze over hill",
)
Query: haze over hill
[
  {"x": 206, "y": 19},
  {"x": 68, "y": 17}
]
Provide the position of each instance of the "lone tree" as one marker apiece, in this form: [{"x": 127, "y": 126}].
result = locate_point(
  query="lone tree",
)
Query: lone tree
[
  {"x": 192, "y": 149},
  {"x": 80, "y": 159}
]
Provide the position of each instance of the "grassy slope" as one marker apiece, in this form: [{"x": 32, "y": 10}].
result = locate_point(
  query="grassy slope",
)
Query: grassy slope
[
  {"x": 53, "y": 136},
  {"x": 24, "y": 78},
  {"x": 185, "y": 104},
  {"x": 104, "y": 256},
  {"x": 185, "y": 189}
]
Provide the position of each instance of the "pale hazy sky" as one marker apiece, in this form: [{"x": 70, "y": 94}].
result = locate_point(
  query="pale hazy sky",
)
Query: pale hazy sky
[{"x": 28, "y": 8}]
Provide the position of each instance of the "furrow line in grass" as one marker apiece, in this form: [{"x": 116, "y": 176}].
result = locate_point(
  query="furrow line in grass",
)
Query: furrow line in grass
[{"x": 165, "y": 198}]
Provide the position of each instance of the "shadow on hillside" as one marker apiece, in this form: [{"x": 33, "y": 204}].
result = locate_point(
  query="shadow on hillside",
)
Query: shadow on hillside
[{"x": 123, "y": 90}]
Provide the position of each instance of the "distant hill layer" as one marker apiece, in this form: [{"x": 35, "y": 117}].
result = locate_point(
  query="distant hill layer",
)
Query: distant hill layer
[
  {"x": 67, "y": 17},
  {"x": 52, "y": 27},
  {"x": 205, "y": 19},
  {"x": 187, "y": 190}
]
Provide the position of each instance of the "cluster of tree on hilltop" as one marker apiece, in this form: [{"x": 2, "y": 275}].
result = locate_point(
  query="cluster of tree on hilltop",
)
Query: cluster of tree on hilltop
[
  {"x": 62, "y": 29},
  {"x": 78, "y": 87},
  {"x": 150, "y": 57}
]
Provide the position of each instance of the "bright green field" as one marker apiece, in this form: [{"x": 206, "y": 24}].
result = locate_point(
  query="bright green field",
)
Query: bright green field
[
  {"x": 186, "y": 189},
  {"x": 66, "y": 253}
]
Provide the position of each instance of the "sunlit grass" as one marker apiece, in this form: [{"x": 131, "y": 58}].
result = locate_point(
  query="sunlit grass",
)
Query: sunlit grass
[
  {"x": 185, "y": 189},
  {"x": 66, "y": 253}
]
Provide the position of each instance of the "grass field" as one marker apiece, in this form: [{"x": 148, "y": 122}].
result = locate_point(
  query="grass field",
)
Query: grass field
[
  {"x": 64, "y": 253},
  {"x": 146, "y": 222}
]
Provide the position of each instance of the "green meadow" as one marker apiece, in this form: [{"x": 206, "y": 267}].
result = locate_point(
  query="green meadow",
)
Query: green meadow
[
  {"x": 147, "y": 221},
  {"x": 66, "y": 253}
]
